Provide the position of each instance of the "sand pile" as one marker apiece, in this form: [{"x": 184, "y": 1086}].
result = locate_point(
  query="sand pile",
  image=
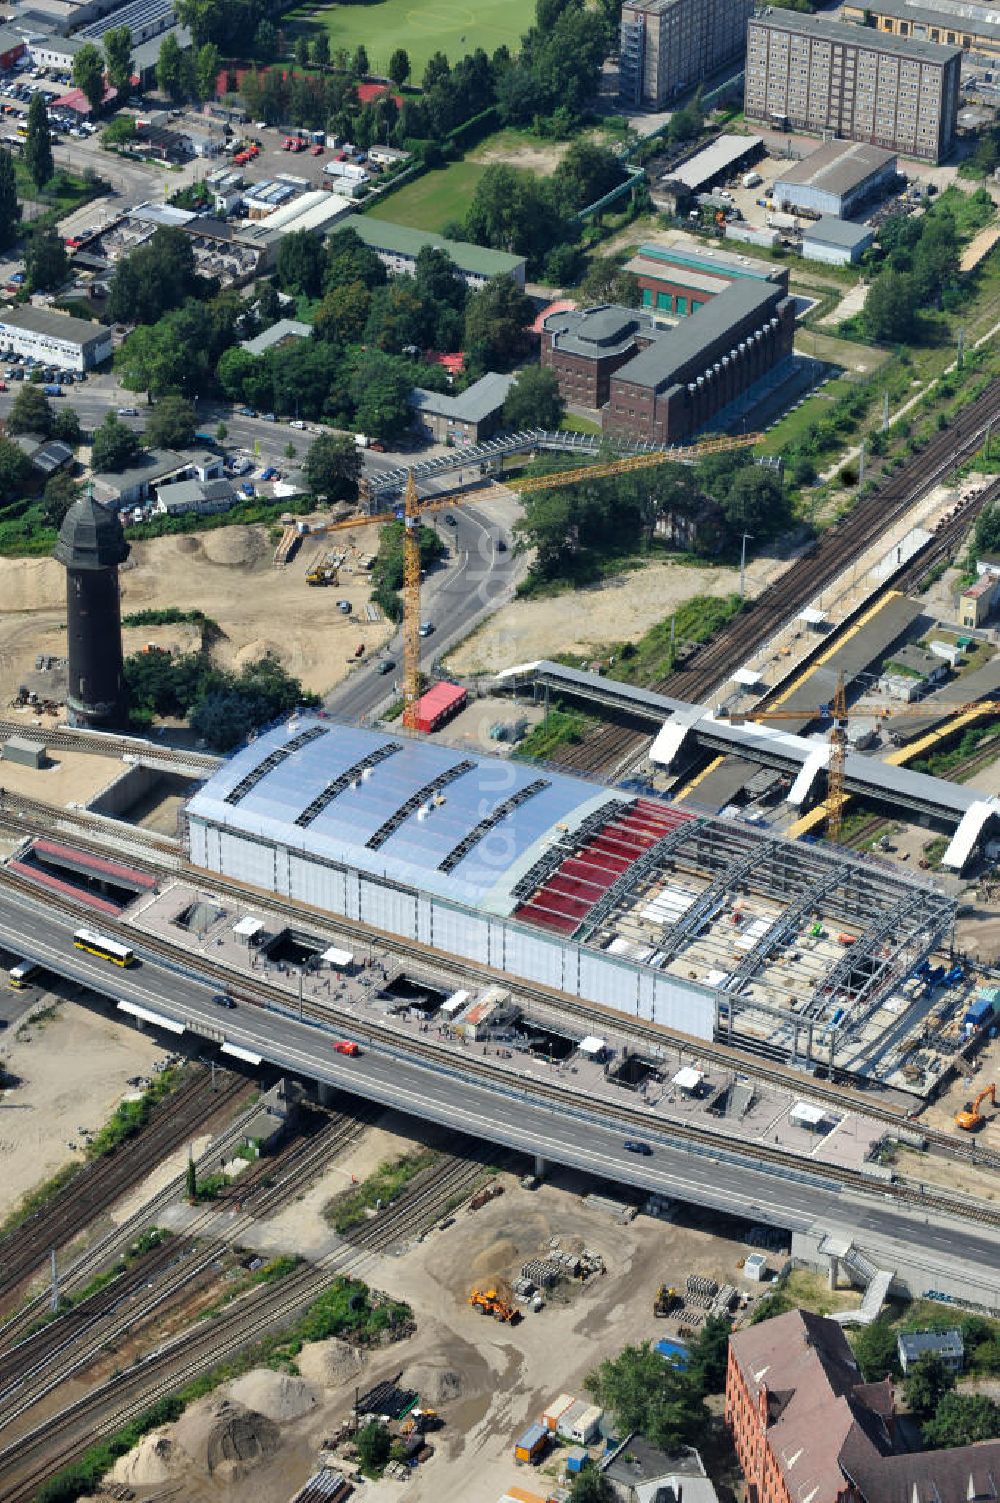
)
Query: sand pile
[
  {"x": 276, "y": 1396},
  {"x": 495, "y": 1261},
  {"x": 32, "y": 584},
  {"x": 216, "y": 1435},
  {"x": 331, "y": 1363},
  {"x": 436, "y": 1383},
  {"x": 235, "y": 547},
  {"x": 260, "y": 647},
  {"x": 153, "y": 1462}
]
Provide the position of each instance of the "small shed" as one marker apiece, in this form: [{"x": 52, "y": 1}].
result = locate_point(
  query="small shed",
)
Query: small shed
[
  {"x": 688, "y": 1080},
  {"x": 454, "y": 1004},
  {"x": 582, "y": 1423},
  {"x": 248, "y": 928},
  {"x": 979, "y": 1012},
  {"x": 755, "y": 1267},
  {"x": 577, "y": 1458},
  {"x": 25, "y": 752},
  {"x": 947, "y": 1346},
  {"x": 532, "y": 1445},
  {"x": 808, "y": 1115}
]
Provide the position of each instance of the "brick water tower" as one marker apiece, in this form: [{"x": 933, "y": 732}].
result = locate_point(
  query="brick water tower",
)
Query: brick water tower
[{"x": 91, "y": 545}]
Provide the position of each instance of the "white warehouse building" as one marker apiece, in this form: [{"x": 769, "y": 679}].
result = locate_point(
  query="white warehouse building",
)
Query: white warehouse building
[
  {"x": 70, "y": 343},
  {"x": 458, "y": 851}
]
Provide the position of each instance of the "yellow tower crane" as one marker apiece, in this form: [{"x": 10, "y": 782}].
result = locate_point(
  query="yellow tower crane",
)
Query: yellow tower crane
[
  {"x": 412, "y": 511},
  {"x": 838, "y": 713}
]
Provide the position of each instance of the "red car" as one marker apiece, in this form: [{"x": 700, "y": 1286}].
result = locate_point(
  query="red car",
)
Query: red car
[
  {"x": 346, "y": 1046},
  {"x": 317, "y": 150}
]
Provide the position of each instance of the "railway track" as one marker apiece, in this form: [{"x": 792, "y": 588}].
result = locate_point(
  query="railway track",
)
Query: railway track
[
  {"x": 614, "y": 747},
  {"x": 672, "y": 1132},
  {"x": 26, "y": 1463},
  {"x": 104, "y": 1180}
]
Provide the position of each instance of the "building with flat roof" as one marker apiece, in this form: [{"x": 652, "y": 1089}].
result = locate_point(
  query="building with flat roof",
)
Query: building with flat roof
[
  {"x": 285, "y": 331},
  {"x": 585, "y": 346},
  {"x": 12, "y": 47},
  {"x": 687, "y": 374},
  {"x": 806, "y": 1425},
  {"x": 717, "y": 161},
  {"x": 667, "y": 46},
  {"x": 675, "y": 281},
  {"x": 121, "y": 488},
  {"x": 974, "y": 28},
  {"x": 397, "y": 247},
  {"x": 467, "y": 418},
  {"x": 809, "y": 73},
  {"x": 56, "y": 51},
  {"x": 71, "y": 343},
  {"x": 202, "y": 497},
  {"x": 837, "y": 179},
  {"x": 836, "y": 241}
]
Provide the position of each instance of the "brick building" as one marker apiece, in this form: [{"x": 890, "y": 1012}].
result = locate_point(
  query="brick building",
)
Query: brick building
[
  {"x": 808, "y": 1429},
  {"x": 810, "y": 73},
  {"x": 585, "y": 346},
  {"x": 679, "y": 382},
  {"x": 677, "y": 280}
]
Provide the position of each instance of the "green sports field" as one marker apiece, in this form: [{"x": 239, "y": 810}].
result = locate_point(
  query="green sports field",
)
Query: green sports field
[
  {"x": 434, "y": 199},
  {"x": 453, "y": 27}
]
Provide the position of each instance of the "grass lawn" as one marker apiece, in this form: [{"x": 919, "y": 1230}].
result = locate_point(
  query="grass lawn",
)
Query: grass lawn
[
  {"x": 434, "y": 199},
  {"x": 572, "y": 423},
  {"x": 453, "y": 27}
]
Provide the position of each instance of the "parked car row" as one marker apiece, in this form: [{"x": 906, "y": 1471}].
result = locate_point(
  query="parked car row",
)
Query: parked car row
[{"x": 22, "y": 366}]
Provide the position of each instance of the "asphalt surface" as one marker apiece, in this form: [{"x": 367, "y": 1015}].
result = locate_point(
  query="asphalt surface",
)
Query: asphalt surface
[
  {"x": 478, "y": 577},
  {"x": 498, "y": 1113}
]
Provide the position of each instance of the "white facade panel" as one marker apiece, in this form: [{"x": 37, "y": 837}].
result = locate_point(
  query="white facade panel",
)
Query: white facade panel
[
  {"x": 676, "y": 1006},
  {"x": 535, "y": 958},
  {"x": 246, "y": 860},
  {"x": 607, "y": 981},
  {"x": 312, "y": 882},
  {"x": 458, "y": 932},
  {"x": 389, "y": 908}
]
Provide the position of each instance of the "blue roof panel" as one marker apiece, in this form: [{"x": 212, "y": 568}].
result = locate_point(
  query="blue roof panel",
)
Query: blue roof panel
[{"x": 351, "y": 828}]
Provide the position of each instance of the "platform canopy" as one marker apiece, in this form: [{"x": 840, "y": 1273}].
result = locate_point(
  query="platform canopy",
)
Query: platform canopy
[
  {"x": 807, "y": 1113},
  {"x": 339, "y": 959},
  {"x": 811, "y": 616},
  {"x": 688, "y": 1078},
  {"x": 592, "y": 1045}
]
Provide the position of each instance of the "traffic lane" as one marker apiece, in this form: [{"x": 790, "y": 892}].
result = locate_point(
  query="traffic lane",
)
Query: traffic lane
[{"x": 477, "y": 1107}]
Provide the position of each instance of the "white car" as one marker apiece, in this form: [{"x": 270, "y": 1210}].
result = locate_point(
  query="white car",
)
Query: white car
[
  {"x": 296, "y": 423},
  {"x": 128, "y": 412}
]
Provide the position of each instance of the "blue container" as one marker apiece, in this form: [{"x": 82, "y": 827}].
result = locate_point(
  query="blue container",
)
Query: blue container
[
  {"x": 674, "y": 1351},
  {"x": 980, "y": 1012},
  {"x": 576, "y": 1460}
]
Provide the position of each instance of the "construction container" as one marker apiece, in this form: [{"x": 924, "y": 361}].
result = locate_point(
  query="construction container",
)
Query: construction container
[
  {"x": 437, "y": 706},
  {"x": 582, "y": 1425},
  {"x": 576, "y": 1459},
  {"x": 522, "y": 1495},
  {"x": 532, "y": 1445},
  {"x": 552, "y": 1415},
  {"x": 980, "y": 1012}
]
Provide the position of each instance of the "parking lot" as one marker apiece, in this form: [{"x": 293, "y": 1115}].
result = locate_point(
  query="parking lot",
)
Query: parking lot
[{"x": 23, "y": 367}]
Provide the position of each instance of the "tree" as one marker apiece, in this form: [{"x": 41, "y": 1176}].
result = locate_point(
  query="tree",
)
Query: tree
[
  {"x": 399, "y": 67},
  {"x": 221, "y": 433},
  {"x": 708, "y": 1354},
  {"x": 38, "y": 143},
  {"x": 875, "y": 1349},
  {"x": 45, "y": 263},
  {"x": 31, "y": 411},
  {"x": 88, "y": 75},
  {"x": 170, "y": 68},
  {"x": 373, "y": 1443},
  {"x": 515, "y": 211},
  {"x": 926, "y": 1384},
  {"x": 890, "y": 308},
  {"x": 648, "y": 1394},
  {"x": 114, "y": 446},
  {"x": 66, "y": 425},
  {"x": 497, "y": 320},
  {"x": 206, "y": 70},
  {"x": 436, "y": 71},
  {"x": 591, "y": 1486},
  {"x": 606, "y": 281},
  {"x": 534, "y": 400},
  {"x": 586, "y": 173},
  {"x": 321, "y": 49},
  {"x": 302, "y": 51},
  {"x": 10, "y": 209},
  {"x": 754, "y": 502},
  {"x": 301, "y": 263},
  {"x": 961, "y": 1419},
  {"x": 333, "y": 468},
  {"x": 118, "y": 55},
  {"x": 397, "y": 319},
  {"x": 359, "y": 63},
  {"x": 343, "y": 313},
  {"x": 61, "y": 490},
  {"x": 191, "y": 1180},
  {"x": 381, "y": 388},
  {"x": 153, "y": 279},
  {"x": 987, "y": 531},
  {"x": 171, "y": 423},
  {"x": 265, "y": 42},
  {"x": 14, "y": 470}
]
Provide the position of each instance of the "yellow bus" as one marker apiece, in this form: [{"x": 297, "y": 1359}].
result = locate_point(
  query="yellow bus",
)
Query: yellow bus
[{"x": 107, "y": 949}]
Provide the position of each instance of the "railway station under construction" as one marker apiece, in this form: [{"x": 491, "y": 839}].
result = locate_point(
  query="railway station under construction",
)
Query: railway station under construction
[{"x": 705, "y": 926}]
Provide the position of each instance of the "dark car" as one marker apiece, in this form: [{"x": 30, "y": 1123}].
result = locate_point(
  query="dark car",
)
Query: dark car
[
  {"x": 223, "y": 999},
  {"x": 501, "y": 545},
  {"x": 386, "y": 666},
  {"x": 450, "y": 519},
  {"x": 636, "y": 1145}
]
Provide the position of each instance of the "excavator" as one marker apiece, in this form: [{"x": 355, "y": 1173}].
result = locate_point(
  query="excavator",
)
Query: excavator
[
  {"x": 666, "y": 1299},
  {"x": 492, "y": 1302},
  {"x": 970, "y": 1118}
]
